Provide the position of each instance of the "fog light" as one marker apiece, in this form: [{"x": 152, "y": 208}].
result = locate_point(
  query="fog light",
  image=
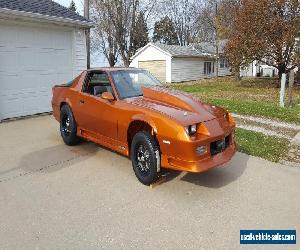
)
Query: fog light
[{"x": 201, "y": 150}]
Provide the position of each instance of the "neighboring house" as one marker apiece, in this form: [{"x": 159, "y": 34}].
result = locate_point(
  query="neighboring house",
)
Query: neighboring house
[
  {"x": 41, "y": 44},
  {"x": 257, "y": 69},
  {"x": 174, "y": 63}
]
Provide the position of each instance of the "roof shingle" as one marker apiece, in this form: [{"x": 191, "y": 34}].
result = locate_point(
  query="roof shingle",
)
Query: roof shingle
[
  {"x": 180, "y": 51},
  {"x": 43, "y": 7}
]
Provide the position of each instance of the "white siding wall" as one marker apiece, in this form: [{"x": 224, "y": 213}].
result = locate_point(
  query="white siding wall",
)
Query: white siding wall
[
  {"x": 152, "y": 54},
  {"x": 79, "y": 52},
  {"x": 224, "y": 71},
  {"x": 255, "y": 67},
  {"x": 187, "y": 69},
  {"x": 249, "y": 71}
]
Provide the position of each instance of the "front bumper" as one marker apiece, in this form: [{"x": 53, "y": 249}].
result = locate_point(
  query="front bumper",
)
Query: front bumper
[
  {"x": 182, "y": 154},
  {"x": 200, "y": 165}
]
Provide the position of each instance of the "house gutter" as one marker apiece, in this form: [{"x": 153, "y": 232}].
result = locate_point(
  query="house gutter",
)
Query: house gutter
[
  {"x": 208, "y": 56},
  {"x": 30, "y": 16}
]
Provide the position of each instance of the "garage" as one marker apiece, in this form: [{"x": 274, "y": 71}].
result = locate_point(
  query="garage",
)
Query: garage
[
  {"x": 37, "y": 51},
  {"x": 156, "y": 67},
  {"x": 32, "y": 60},
  {"x": 175, "y": 63}
]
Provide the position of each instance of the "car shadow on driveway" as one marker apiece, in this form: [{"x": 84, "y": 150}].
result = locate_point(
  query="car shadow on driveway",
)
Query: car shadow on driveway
[
  {"x": 50, "y": 159},
  {"x": 55, "y": 158},
  {"x": 220, "y": 176}
]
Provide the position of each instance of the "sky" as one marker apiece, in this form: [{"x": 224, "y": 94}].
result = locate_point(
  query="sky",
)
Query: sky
[
  {"x": 78, "y": 3},
  {"x": 97, "y": 60}
]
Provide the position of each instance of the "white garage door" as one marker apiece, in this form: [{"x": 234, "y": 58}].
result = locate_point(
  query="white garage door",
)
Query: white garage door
[{"x": 32, "y": 60}]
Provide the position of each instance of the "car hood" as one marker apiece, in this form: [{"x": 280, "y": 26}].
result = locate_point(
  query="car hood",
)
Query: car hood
[{"x": 181, "y": 107}]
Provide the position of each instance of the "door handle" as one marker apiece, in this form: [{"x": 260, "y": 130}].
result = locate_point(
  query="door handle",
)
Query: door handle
[{"x": 81, "y": 101}]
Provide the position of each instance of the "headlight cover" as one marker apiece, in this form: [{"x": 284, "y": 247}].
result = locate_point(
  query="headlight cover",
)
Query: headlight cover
[{"x": 191, "y": 130}]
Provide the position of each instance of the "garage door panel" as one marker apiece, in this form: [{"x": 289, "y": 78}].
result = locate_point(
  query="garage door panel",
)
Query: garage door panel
[
  {"x": 10, "y": 35},
  {"x": 24, "y": 38},
  {"x": 156, "y": 68},
  {"x": 60, "y": 41},
  {"x": 30, "y": 65},
  {"x": 8, "y": 60},
  {"x": 27, "y": 58},
  {"x": 7, "y": 82}
]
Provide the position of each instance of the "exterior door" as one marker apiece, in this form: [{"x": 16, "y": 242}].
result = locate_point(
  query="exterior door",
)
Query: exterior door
[{"x": 96, "y": 115}]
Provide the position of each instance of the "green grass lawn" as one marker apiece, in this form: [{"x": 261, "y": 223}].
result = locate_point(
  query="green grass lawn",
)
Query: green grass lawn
[
  {"x": 260, "y": 145},
  {"x": 250, "y": 96}
]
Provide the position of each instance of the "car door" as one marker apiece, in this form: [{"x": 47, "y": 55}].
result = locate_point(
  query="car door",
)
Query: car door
[{"x": 97, "y": 117}]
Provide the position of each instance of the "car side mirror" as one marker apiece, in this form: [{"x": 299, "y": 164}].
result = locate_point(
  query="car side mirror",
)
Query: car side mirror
[{"x": 107, "y": 96}]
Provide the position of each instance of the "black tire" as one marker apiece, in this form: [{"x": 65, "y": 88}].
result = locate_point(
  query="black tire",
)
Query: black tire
[
  {"x": 68, "y": 127},
  {"x": 145, "y": 158}
]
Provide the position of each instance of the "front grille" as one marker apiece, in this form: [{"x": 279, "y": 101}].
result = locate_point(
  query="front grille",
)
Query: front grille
[{"x": 219, "y": 146}]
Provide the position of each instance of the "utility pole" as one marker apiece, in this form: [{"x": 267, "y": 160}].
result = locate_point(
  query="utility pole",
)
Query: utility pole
[{"x": 87, "y": 33}]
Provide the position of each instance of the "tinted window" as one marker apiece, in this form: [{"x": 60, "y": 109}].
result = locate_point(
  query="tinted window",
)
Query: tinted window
[{"x": 97, "y": 83}]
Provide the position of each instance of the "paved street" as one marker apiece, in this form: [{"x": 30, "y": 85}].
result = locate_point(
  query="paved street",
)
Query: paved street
[{"x": 86, "y": 196}]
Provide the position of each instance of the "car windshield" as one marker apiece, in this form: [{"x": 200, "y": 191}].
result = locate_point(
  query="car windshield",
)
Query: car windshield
[{"x": 129, "y": 82}]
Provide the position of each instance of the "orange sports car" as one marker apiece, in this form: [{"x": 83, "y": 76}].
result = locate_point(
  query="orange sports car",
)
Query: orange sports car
[{"x": 129, "y": 111}]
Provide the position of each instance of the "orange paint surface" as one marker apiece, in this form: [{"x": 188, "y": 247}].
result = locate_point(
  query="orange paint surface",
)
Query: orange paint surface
[{"x": 167, "y": 112}]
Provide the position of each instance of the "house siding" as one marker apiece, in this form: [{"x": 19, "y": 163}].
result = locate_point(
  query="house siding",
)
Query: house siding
[
  {"x": 188, "y": 69},
  {"x": 224, "y": 71},
  {"x": 79, "y": 52},
  {"x": 255, "y": 68}
]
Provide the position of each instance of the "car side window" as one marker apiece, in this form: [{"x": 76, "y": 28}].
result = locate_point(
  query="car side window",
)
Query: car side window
[{"x": 97, "y": 83}]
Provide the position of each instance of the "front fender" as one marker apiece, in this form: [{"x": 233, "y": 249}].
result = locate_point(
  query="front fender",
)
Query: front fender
[{"x": 146, "y": 119}]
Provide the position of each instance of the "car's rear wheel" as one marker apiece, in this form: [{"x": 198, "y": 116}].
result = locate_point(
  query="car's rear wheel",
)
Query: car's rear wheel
[
  {"x": 145, "y": 158},
  {"x": 68, "y": 127}
]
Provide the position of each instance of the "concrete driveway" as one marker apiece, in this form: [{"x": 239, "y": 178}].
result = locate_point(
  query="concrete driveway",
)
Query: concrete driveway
[{"x": 56, "y": 196}]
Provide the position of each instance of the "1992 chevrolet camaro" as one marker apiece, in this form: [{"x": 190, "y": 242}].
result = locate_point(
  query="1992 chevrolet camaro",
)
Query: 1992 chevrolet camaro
[{"x": 129, "y": 111}]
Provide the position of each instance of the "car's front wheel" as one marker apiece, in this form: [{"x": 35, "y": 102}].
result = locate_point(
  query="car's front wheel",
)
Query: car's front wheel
[
  {"x": 145, "y": 157},
  {"x": 68, "y": 127}
]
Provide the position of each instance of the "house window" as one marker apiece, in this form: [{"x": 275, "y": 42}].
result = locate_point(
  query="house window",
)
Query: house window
[
  {"x": 209, "y": 68},
  {"x": 223, "y": 63}
]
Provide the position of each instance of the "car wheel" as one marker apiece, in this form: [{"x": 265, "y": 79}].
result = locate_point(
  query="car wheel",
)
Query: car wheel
[
  {"x": 68, "y": 127},
  {"x": 145, "y": 158}
]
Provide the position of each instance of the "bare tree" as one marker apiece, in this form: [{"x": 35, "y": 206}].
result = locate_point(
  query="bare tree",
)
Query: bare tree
[
  {"x": 182, "y": 13},
  {"x": 214, "y": 21},
  {"x": 122, "y": 14},
  {"x": 104, "y": 35},
  {"x": 208, "y": 29},
  {"x": 124, "y": 27}
]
